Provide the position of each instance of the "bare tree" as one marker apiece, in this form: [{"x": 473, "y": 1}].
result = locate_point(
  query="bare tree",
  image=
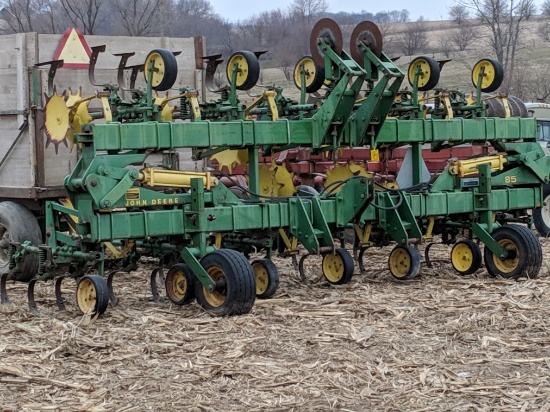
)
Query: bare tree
[
  {"x": 308, "y": 10},
  {"x": 84, "y": 14},
  {"x": 446, "y": 46},
  {"x": 138, "y": 17},
  {"x": 414, "y": 38},
  {"x": 544, "y": 31},
  {"x": 505, "y": 21},
  {"x": 463, "y": 36},
  {"x": 545, "y": 8},
  {"x": 459, "y": 13}
]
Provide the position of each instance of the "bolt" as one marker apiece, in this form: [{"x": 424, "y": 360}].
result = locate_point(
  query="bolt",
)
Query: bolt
[
  {"x": 93, "y": 183},
  {"x": 106, "y": 204}
]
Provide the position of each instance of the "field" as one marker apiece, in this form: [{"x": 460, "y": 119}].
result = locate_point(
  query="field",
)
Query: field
[{"x": 439, "y": 342}]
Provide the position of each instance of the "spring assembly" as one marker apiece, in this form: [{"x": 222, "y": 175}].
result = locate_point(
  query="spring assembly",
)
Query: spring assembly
[
  {"x": 184, "y": 107},
  {"x": 11, "y": 252},
  {"x": 41, "y": 261},
  {"x": 225, "y": 94}
]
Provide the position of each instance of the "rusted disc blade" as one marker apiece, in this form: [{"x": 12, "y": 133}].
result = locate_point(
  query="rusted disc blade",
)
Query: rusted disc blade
[
  {"x": 329, "y": 30},
  {"x": 369, "y": 34}
]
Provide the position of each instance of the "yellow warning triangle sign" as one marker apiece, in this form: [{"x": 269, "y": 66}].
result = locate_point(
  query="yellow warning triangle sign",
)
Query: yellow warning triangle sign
[{"x": 73, "y": 50}]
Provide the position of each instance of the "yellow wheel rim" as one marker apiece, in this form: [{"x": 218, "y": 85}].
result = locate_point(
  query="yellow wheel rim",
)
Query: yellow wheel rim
[
  {"x": 333, "y": 267},
  {"x": 158, "y": 68},
  {"x": 425, "y": 72},
  {"x": 178, "y": 286},
  {"x": 400, "y": 262},
  {"x": 462, "y": 257},
  {"x": 242, "y": 69},
  {"x": 489, "y": 73},
  {"x": 86, "y": 295},
  {"x": 507, "y": 265},
  {"x": 309, "y": 69},
  {"x": 214, "y": 299},
  {"x": 262, "y": 278}
]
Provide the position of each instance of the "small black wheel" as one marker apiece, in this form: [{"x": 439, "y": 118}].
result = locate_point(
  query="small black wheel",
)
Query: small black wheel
[
  {"x": 314, "y": 75},
  {"x": 493, "y": 74},
  {"x": 18, "y": 224},
  {"x": 235, "y": 291},
  {"x": 428, "y": 76},
  {"x": 248, "y": 69},
  {"x": 180, "y": 284},
  {"x": 466, "y": 257},
  {"x": 267, "y": 278},
  {"x": 165, "y": 69},
  {"x": 92, "y": 294},
  {"x": 404, "y": 262},
  {"x": 338, "y": 267},
  {"x": 541, "y": 216},
  {"x": 524, "y": 253}
]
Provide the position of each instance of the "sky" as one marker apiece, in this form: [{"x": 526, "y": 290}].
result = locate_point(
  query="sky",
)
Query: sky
[{"x": 429, "y": 9}]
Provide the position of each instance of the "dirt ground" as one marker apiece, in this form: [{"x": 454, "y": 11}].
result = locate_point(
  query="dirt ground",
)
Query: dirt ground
[{"x": 439, "y": 342}]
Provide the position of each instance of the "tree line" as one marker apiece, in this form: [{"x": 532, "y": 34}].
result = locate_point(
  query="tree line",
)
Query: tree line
[{"x": 284, "y": 32}]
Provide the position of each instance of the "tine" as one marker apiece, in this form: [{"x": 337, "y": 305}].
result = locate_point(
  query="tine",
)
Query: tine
[
  {"x": 122, "y": 66},
  {"x": 301, "y": 270},
  {"x": 294, "y": 262},
  {"x": 58, "y": 296},
  {"x": 30, "y": 296},
  {"x": 360, "y": 259},
  {"x": 162, "y": 276},
  {"x": 3, "y": 291},
  {"x": 154, "y": 287},
  {"x": 427, "y": 254},
  {"x": 112, "y": 296},
  {"x": 93, "y": 60},
  {"x": 54, "y": 65}
]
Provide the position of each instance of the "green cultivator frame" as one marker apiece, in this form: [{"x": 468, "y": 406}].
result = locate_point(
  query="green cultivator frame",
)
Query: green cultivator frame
[{"x": 203, "y": 232}]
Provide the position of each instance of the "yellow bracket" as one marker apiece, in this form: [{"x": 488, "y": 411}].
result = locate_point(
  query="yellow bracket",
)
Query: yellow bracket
[
  {"x": 507, "y": 111},
  {"x": 291, "y": 245},
  {"x": 428, "y": 237},
  {"x": 106, "y": 109},
  {"x": 174, "y": 178},
  {"x": 269, "y": 96},
  {"x": 463, "y": 168},
  {"x": 363, "y": 234},
  {"x": 119, "y": 254},
  {"x": 448, "y": 108},
  {"x": 218, "y": 240}
]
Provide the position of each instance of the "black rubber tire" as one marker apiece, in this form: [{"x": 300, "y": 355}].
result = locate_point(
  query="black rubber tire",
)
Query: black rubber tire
[
  {"x": 318, "y": 77},
  {"x": 529, "y": 252},
  {"x": 306, "y": 191},
  {"x": 517, "y": 107},
  {"x": 265, "y": 288},
  {"x": 412, "y": 267},
  {"x": 253, "y": 67},
  {"x": 240, "y": 290},
  {"x": 345, "y": 273},
  {"x": 101, "y": 291},
  {"x": 187, "y": 291},
  {"x": 498, "y": 76},
  {"x": 495, "y": 108},
  {"x": 20, "y": 225},
  {"x": 476, "y": 257},
  {"x": 170, "y": 69},
  {"x": 541, "y": 216},
  {"x": 433, "y": 74}
]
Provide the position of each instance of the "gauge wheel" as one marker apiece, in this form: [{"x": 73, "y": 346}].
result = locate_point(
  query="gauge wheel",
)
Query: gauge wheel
[
  {"x": 92, "y": 294},
  {"x": 328, "y": 30},
  {"x": 429, "y": 72},
  {"x": 180, "y": 284},
  {"x": 314, "y": 75},
  {"x": 248, "y": 69},
  {"x": 267, "y": 278},
  {"x": 165, "y": 69},
  {"x": 466, "y": 257},
  {"x": 404, "y": 262},
  {"x": 338, "y": 266},
  {"x": 541, "y": 216},
  {"x": 524, "y": 253},
  {"x": 235, "y": 290},
  {"x": 493, "y": 74},
  {"x": 18, "y": 224}
]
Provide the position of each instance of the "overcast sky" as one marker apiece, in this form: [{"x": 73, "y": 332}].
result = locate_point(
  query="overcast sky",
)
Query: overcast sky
[{"x": 430, "y": 9}]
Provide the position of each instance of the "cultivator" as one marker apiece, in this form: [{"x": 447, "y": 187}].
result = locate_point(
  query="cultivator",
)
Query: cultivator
[{"x": 121, "y": 208}]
